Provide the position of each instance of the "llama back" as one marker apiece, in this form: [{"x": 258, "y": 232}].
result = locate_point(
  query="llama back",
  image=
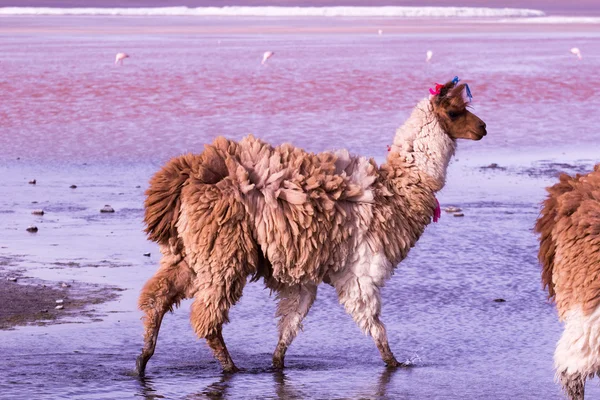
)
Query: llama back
[
  {"x": 569, "y": 228},
  {"x": 298, "y": 203},
  {"x": 305, "y": 206}
]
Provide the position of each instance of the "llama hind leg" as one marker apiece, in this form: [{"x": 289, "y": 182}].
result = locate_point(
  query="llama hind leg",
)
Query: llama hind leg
[
  {"x": 361, "y": 299},
  {"x": 171, "y": 284},
  {"x": 294, "y": 304},
  {"x": 214, "y": 297}
]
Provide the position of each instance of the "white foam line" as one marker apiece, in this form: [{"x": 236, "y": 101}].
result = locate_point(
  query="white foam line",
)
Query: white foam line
[
  {"x": 553, "y": 20},
  {"x": 388, "y": 11}
]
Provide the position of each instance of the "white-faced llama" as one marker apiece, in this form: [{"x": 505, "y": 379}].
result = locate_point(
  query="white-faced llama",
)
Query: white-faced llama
[
  {"x": 296, "y": 219},
  {"x": 569, "y": 228}
]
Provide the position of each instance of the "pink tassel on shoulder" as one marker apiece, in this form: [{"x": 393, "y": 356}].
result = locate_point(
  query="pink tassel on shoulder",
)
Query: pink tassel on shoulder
[{"x": 438, "y": 211}]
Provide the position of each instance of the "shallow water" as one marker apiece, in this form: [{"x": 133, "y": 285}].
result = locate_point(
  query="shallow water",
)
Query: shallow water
[{"x": 77, "y": 119}]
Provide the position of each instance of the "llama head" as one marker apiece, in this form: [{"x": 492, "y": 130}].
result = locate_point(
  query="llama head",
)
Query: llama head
[{"x": 450, "y": 108}]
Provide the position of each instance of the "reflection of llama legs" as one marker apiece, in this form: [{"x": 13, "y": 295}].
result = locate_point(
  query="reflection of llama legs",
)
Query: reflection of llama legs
[
  {"x": 294, "y": 304},
  {"x": 361, "y": 299},
  {"x": 215, "y": 294},
  {"x": 577, "y": 354},
  {"x": 171, "y": 284}
]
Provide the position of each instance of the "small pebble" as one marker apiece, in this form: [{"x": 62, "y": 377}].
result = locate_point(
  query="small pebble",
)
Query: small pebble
[
  {"x": 32, "y": 182},
  {"x": 494, "y": 166},
  {"x": 500, "y": 300},
  {"x": 107, "y": 209},
  {"x": 452, "y": 209},
  {"x": 147, "y": 254},
  {"x": 459, "y": 215},
  {"x": 60, "y": 301},
  {"x": 73, "y": 186},
  {"x": 32, "y": 229},
  {"x": 59, "y": 307},
  {"x": 44, "y": 311},
  {"x": 12, "y": 279},
  {"x": 38, "y": 212}
]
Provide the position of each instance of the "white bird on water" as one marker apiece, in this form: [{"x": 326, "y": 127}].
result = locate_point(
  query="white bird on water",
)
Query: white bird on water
[
  {"x": 120, "y": 57},
  {"x": 380, "y": 32},
  {"x": 577, "y": 52},
  {"x": 266, "y": 56},
  {"x": 429, "y": 55}
]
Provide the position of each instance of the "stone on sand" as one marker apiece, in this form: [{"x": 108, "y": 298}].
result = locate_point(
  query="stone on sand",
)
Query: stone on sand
[{"x": 107, "y": 209}]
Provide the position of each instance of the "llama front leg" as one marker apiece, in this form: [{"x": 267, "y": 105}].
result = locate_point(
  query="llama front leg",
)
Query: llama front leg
[
  {"x": 361, "y": 299},
  {"x": 171, "y": 283},
  {"x": 294, "y": 304},
  {"x": 577, "y": 354},
  {"x": 573, "y": 385}
]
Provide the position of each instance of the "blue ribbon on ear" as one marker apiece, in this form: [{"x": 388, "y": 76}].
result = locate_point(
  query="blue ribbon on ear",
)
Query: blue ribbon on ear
[
  {"x": 469, "y": 95},
  {"x": 455, "y": 80}
]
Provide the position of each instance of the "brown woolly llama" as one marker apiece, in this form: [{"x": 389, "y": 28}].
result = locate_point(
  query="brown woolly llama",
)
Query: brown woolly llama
[
  {"x": 296, "y": 219},
  {"x": 569, "y": 228}
]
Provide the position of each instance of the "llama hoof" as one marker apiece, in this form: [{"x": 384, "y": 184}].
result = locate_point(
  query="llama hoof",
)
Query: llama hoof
[
  {"x": 393, "y": 363},
  {"x": 140, "y": 365},
  {"x": 278, "y": 365},
  {"x": 230, "y": 369}
]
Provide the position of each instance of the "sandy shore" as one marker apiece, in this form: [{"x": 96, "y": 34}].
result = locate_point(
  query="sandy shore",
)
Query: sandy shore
[{"x": 29, "y": 301}]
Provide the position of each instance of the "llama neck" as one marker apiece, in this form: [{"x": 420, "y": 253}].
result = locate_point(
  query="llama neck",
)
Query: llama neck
[{"x": 422, "y": 143}]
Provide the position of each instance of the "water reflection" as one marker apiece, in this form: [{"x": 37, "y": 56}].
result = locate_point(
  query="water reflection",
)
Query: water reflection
[
  {"x": 216, "y": 390},
  {"x": 286, "y": 386},
  {"x": 146, "y": 389},
  {"x": 284, "y": 389}
]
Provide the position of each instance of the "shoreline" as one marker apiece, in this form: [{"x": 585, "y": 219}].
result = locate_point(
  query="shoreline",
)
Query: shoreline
[{"x": 119, "y": 25}]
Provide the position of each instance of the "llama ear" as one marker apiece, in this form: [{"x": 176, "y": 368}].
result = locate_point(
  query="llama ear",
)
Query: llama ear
[
  {"x": 446, "y": 89},
  {"x": 461, "y": 94}
]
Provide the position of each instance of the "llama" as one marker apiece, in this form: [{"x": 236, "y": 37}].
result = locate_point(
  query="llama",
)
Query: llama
[
  {"x": 295, "y": 219},
  {"x": 569, "y": 228}
]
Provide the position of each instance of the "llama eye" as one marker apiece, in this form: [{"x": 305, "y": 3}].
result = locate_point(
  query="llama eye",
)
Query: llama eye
[{"x": 453, "y": 114}]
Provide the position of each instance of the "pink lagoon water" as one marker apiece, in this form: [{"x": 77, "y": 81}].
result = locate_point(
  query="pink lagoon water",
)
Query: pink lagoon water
[{"x": 68, "y": 115}]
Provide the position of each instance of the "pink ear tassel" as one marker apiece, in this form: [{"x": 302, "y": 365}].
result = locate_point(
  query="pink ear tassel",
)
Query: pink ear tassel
[
  {"x": 435, "y": 92},
  {"x": 438, "y": 211}
]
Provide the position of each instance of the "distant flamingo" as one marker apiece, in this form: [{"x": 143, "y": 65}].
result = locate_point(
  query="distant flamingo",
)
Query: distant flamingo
[
  {"x": 577, "y": 52},
  {"x": 429, "y": 55},
  {"x": 380, "y": 32},
  {"x": 120, "y": 57},
  {"x": 267, "y": 55}
]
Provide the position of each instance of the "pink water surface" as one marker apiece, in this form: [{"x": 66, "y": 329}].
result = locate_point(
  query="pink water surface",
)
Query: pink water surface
[{"x": 64, "y": 99}]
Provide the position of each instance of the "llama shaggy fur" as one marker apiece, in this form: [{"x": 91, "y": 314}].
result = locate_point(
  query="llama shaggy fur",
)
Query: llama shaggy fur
[
  {"x": 569, "y": 228},
  {"x": 295, "y": 219}
]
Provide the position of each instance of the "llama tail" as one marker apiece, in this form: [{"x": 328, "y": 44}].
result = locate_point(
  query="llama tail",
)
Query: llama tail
[
  {"x": 163, "y": 198},
  {"x": 545, "y": 224}
]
